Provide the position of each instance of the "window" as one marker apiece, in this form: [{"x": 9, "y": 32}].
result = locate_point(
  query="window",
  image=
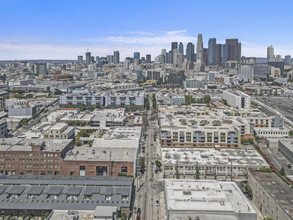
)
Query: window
[{"x": 124, "y": 170}]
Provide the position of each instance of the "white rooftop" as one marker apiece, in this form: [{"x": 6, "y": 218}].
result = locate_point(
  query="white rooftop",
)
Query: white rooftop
[
  {"x": 250, "y": 158},
  {"x": 207, "y": 197}
]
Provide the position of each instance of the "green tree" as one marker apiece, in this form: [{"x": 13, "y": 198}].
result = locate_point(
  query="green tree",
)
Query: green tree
[
  {"x": 57, "y": 92},
  {"x": 197, "y": 173},
  {"x": 282, "y": 171},
  {"x": 291, "y": 132},
  {"x": 249, "y": 190},
  {"x": 158, "y": 164},
  {"x": 142, "y": 163}
]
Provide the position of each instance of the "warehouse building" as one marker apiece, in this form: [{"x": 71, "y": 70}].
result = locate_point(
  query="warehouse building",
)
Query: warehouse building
[
  {"x": 42, "y": 195},
  {"x": 206, "y": 199}
]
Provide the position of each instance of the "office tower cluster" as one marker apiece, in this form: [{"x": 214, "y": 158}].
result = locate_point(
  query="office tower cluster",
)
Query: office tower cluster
[{"x": 214, "y": 54}]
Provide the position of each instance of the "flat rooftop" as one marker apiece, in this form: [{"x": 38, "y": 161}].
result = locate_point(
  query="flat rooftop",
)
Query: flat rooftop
[
  {"x": 23, "y": 144},
  {"x": 63, "y": 193},
  {"x": 249, "y": 158},
  {"x": 119, "y": 144},
  {"x": 278, "y": 189},
  {"x": 207, "y": 197}
]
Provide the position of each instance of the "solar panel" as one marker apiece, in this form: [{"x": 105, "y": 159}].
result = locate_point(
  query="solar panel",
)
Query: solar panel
[
  {"x": 17, "y": 190},
  {"x": 36, "y": 190},
  {"x": 2, "y": 189},
  {"x": 122, "y": 191},
  {"x": 109, "y": 191},
  {"x": 74, "y": 191},
  {"x": 55, "y": 190},
  {"x": 91, "y": 190}
]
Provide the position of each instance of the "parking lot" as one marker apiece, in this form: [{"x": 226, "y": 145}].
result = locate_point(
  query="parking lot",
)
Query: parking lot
[{"x": 281, "y": 104}]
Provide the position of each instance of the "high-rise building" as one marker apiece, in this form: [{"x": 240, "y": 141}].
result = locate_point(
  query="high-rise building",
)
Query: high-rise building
[
  {"x": 180, "y": 60},
  {"x": 80, "y": 59},
  {"x": 218, "y": 54},
  {"x": 148, "y": 58},
  {"x": 233, "y": 49},
  {"x": 175, "y": 56},
  {"x": 164, "y": 53},
  {"x": 174, "y": 45},
  {"x": 205, "y": 55},
  {"x": 92, "y": 59},
  {"x": 41, "y": 69},
  {"x": 239, "y": 51},
  {"x": 181, "y": 48},
  {"x": 270, "y": 53},
  {"x": 212, "y": 51},
  {"x": 87, "y": 57},
  {"x": 224, "y": 53},
  {"x": 170, "y": 56},
  {"x": 199, "y": 50},
  {"x": 278, "y": 58},
  {"x": 190, "y": 51},
  {"x": 116, "y": 58},
  {"x": 110, "y": 58},
  {"x": 97, "y": 59},
  {"x": 136, "y": 55},
  {"x": 288, "y": 60}
]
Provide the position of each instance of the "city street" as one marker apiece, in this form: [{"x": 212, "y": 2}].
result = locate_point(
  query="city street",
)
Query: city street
[{"x": 149, "y": 184}]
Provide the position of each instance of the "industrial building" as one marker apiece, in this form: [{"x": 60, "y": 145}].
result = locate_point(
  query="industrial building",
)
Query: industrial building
[
  {"x": 206, "y": 199},
  {"x": 271, "y": 195},
  {"x": 45, "y": 196}
]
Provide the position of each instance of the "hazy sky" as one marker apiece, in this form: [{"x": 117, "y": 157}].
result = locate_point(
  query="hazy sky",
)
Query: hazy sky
[{"x": 63, "y": 29}]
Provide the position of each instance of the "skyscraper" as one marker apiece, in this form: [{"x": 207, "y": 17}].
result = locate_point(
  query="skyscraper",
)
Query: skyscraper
[
  {"x": 218, "y": 54},
  {"x": 287, "y": 60},
  {"x": 80, "y": 59},
  {"x": 175, "y": 54},
  {"x": 136, "y": 55},
  {"x": 190, "y": 51},
  {"x": 116, "y": 58},
  {"x": 212, "y": 51},
  {"x": 170, "y": 56},
  {"x": 199, "y": 50},
  {"x": 224, "y": 53},
  {"x": 164, "y": 53},
  {"x": 233, "y": 49},
  {"x": 110, "y": 58},
  {"x": 181, "y": 48},
  {"x": 270, "y": 53},
  {"x": 87, "y": 57},
  {"x": 174, "y": 45},
  {"x": 148, "y": 58},
  {"x": 239, "y": 51}
]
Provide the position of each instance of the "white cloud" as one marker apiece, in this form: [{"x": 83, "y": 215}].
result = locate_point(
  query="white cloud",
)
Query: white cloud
[
  {"x": 140, "y": 33},
  {"x": 176, "y": 32}
]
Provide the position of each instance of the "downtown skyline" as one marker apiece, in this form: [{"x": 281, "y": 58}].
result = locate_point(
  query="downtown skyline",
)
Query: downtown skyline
[{"x": 61, "y": 31}]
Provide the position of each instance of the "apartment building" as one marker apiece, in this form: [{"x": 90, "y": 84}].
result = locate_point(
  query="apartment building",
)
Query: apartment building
[
  {"x": 211, "y": 163},
  {"x": 238, "y": 99},
  {"x": 113, "y": 99}
]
